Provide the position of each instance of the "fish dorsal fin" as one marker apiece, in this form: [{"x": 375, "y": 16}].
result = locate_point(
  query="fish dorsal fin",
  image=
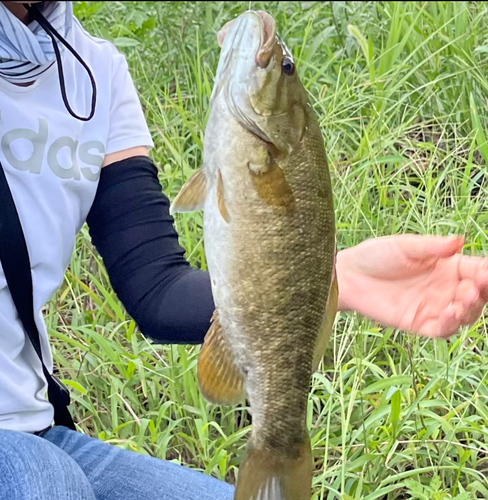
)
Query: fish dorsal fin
[
  {"x": 219, "y": 379},
  {"x": 328, "y": 323},
  {"x": 192, "y": 195},
  {"x": 220, "y": 198}
]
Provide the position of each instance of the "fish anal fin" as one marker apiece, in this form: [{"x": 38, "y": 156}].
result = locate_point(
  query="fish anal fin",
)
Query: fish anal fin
[
  {"x": 192, "y": 195},
  {"x": 219, "y": 379}
]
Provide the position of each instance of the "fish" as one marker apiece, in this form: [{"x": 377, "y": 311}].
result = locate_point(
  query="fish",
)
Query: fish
[{"x": 270, "y": 246}]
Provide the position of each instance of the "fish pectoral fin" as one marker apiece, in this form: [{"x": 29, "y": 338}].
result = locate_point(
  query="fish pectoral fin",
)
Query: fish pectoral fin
[
  {"x": 328, "y": 323},
  {"x": 265, "y": 475},
  {"x": 192, "y": 195},
  {"x": 273, "y": 188},
  {"x": 220, "y": 198},
  {"x": 219, "y": 379}
]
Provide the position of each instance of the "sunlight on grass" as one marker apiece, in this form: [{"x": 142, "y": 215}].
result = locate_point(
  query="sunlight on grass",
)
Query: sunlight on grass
[{"x": 400, "y": 90}]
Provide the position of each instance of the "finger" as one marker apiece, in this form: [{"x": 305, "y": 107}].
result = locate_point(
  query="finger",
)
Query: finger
[
  {"x": 472, "y": 314},
  {"x": 475, "y": 268},
  {"x": 452, "y": 318},
  {"x": 422, "y": 247},
  {"x": 431, "y": 306},
  {"x": 442, "y": 327},
  {"x": 467, "y": 293},
  {"x": 481, "y": 281},
  {"x": 449, "y": 321}
]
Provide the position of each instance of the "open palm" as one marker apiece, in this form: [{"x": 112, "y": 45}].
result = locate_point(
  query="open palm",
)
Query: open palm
[{"x": 421, "y": 284}]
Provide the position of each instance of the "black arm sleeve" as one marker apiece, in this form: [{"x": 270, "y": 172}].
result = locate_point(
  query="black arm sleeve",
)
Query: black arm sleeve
[{"x": 131, "y": 228}]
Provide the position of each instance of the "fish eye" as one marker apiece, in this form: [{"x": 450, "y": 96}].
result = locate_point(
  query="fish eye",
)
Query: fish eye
[{"x": 287, "y": 66}]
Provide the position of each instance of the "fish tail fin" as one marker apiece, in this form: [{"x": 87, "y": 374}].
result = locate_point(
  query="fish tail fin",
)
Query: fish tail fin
[{"x": 265, "y": 475}]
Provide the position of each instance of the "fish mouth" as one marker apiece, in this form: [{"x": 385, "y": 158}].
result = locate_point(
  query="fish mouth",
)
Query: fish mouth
[
  {"x": 247, "y": 43},
  {"x": 266, "y": 26}
]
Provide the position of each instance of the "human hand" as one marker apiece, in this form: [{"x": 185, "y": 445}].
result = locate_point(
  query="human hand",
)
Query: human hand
[{"x": 420, "y": 284}]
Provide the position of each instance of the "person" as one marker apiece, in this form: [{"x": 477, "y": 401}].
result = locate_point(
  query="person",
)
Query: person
[{"x": 75, "y": 148}]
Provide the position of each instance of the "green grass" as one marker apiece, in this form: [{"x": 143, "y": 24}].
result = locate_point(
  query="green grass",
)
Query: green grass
[{"x": 401, "y": 92}]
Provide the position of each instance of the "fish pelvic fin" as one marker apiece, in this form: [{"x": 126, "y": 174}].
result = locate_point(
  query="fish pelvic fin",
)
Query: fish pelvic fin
[
  {"x": 220, "y": 198},
  {"x": 192, "y": 195},
  {"x": 219, "y": 379},
  {"x": 328, "y": 323},
  {"x": 265, "y": 475}
]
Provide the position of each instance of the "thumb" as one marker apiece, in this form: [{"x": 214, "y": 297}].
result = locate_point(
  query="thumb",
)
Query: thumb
[{"x": 428, "y": 247}]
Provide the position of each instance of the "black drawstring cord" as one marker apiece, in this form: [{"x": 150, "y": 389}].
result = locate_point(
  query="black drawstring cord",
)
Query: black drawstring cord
[{"x": 48, "y": 28}]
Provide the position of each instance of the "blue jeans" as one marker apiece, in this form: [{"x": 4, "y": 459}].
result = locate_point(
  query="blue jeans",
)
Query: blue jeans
[{"x": 68, "y": 465}]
